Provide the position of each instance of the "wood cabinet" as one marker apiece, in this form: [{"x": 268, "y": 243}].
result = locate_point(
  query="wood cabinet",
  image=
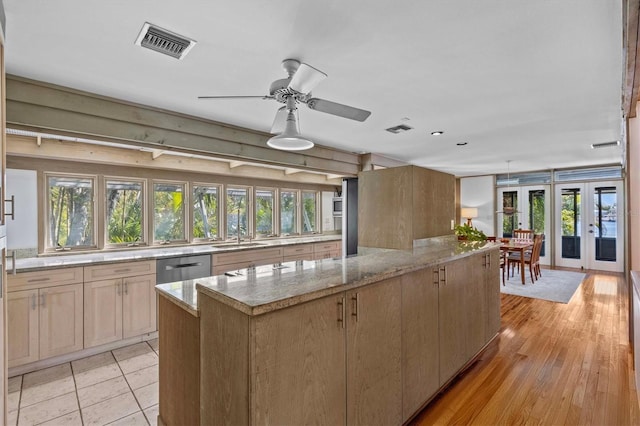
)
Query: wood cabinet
[
  {"x": 334, "y": 360},
  {"x": 47, "y": 321},
  {"x": 492, "y": 294},
  {"x": 232, "y": 261},
  {"x": 297, "y": 252},
  {"x": 120, "y": 306},
  {"x": 401, "y": 204},
  {"x": 420, "y": 355},
  {"x": 327, "y": 250}
]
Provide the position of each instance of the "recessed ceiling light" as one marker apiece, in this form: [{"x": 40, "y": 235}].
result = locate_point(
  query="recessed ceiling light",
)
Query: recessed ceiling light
[
  {"x": 437, "y": 133},
  {"x": 462, "y": 143}
]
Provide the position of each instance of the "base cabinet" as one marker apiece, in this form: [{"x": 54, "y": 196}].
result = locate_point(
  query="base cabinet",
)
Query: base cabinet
[
  {"x": 335, "y": 360},
  {"x": 44, "y": 323},
  {"x": 119, "y": 308}
]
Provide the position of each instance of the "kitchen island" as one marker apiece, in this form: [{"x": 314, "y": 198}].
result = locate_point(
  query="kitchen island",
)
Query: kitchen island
[{"x": 359, "y": 340}]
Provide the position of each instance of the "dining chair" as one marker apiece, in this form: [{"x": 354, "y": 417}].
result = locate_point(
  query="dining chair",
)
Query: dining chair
[
  {"x": 503, "y": 264},
  {"x": 531, "y": 258},
  {"x": 523, "y": 234}
]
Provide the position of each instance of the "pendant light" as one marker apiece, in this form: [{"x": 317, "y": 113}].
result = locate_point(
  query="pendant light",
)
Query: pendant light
[
  {"x": 508, "y": 210},
  {"x": 290, "y": 139}
]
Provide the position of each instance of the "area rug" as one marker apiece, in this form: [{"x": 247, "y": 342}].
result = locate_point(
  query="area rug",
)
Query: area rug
[{"x": 553, "y": 285}]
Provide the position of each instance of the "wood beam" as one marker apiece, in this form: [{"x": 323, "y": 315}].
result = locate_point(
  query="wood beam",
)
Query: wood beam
[
  {"x": 52, "y": 149},
  {"x": 234, "y": 164},
  {"x": 48, "y": 108},
  {"x": 631, "y": 90}
]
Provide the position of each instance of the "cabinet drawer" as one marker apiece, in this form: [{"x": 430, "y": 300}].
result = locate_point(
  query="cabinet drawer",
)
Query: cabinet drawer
[
  {"x": 298, "y": 249},
  {"x": 326, "y": 254},
  {"x": 47, "y": 278},
  {"x": 247, "y": 256},
  {"x": 119, "y": 270},
  {"x": 327, "y": 246},
  {"x": 221, "y": 269}
]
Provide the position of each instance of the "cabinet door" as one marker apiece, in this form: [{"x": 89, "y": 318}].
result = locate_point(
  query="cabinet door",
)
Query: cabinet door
[
  {"x": 374, "y": 371},
  {"x": 451, "y": 316},
  {"x": 138, "y": 305},
  {"x": 475, "y": 306},
  {"x": 299, "y": 364},
  {"x": 420, "y": 357},
  {"x": 22, "y": 310},
  {"x": 102, "y": 312},
  {"x": 492, "y": 295},
  {"x": 60, "y": 320}
]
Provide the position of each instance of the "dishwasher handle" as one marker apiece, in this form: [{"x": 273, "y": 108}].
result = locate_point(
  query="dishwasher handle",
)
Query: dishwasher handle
[{"x": 184, "y": 265}]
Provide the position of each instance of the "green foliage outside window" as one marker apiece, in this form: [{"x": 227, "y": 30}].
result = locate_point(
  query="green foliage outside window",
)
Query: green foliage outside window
[
  {"x": 264, "y": 212},
  {"x": 288, "y": 201},
  {"x": 237, "y": 219},
  {"x": 309, "y": 212},
  {"x": 205, "y": 212},
  {"x": 124, "y": 212},
  {"x": 70, "y": 212},
  {"x": 168, "y": 212}
]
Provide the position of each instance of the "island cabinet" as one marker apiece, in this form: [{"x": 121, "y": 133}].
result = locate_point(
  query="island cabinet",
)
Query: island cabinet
[
  {"x": 44, "y": 315},
  {"x": 119, "y": 302},
  {"x": 333, "y": 360},
  {"x": 420, "y": 355}
]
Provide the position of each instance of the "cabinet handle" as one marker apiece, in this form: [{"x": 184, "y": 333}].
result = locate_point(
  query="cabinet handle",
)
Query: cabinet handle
[
  {"x": 119, "y": 271},
  {"x": 37, "y": 280},
  {"x": 444, "y": 274},
  {"x": 356, "y": 305},
  {"x": 436, "y": 276},
  {"x": 118, "y": 289},
  {"x": 126, "y": 288},
  {"x": 43, "y": 300},
  {"x": 11, "y": 200},
  {"x": 33, "y": 302},
  {"x": 12, "y": 256},
  {"x": 341, "y": 311}
]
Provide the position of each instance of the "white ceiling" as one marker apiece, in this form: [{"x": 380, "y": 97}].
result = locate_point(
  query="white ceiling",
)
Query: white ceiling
[{"x": 535, "y": 82}]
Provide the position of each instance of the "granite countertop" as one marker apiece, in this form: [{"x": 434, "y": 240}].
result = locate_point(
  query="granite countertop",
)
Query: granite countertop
[
  {"x": 267, "y": 288},
  {"x": 87, "y": 259}
]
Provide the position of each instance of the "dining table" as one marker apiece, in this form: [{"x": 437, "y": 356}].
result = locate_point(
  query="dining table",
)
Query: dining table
[{"x": 518, "y": 246}]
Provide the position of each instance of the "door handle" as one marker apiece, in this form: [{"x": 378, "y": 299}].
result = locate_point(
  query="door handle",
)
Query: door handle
[
  {"x": 356, "y": 307},
  {"x": 341, "y": 311}
]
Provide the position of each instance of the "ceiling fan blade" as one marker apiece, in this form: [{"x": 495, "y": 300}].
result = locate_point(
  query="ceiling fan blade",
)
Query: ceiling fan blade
[
  {"x": 306, "y": 78},
  {"x": 279, "y": 121},
  {"x": 338, "y": 109},
  {"x": 235, "y": 97}
]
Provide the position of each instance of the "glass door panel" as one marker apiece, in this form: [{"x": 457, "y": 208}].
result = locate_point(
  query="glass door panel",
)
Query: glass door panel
[{"x": 588, "y": 217}]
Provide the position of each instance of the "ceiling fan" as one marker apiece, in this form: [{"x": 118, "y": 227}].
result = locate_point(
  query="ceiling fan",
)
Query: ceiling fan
[{"x": 295, "y": 89}]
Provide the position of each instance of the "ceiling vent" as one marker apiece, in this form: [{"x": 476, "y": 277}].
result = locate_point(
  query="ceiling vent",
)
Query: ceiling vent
[
  {"x": 605, "y": 144},
  {"x": 399, "y": 128},
  {"x": 164, "y": 41}
]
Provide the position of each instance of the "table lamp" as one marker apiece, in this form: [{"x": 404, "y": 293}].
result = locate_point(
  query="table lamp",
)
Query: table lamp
[{"x": 469, "y": 213}]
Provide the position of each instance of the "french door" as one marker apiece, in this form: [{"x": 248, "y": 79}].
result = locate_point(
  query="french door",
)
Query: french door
[
  {"x": 589, "y": 225},
  {"x": 532, "y": 211}
]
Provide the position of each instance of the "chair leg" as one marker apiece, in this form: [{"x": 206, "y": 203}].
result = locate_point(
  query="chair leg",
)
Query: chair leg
[{"x": 531, "y": 273}]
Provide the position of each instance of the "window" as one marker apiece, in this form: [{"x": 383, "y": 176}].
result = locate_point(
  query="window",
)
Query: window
[
  {"x": 265, "y": 201},
  {"x": 168, "y": 218},
  {"x": 124, "y": 212},
  {"x": 206, "y": 212},
  {"x": 288, "y": 212},
  {"x": 309, "y": 212},
  {"x": 237, "y": 209},
  {"x": 70, "y": 212}
]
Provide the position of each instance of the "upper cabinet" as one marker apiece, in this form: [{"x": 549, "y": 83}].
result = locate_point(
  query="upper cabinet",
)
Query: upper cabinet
[{"x": 402, "y": 204}]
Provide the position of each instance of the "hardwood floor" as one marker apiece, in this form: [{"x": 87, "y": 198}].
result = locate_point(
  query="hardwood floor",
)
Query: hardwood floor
[{"x": 552, "y": 364}]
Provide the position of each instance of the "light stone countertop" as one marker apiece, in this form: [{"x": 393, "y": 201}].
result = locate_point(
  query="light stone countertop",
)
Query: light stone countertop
[
  {"x": 98, "y": 257},
  {"x": 266, "y": 288}
]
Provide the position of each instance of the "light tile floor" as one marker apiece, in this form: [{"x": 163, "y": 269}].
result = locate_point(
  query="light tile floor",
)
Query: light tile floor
[{"x": 118, "y": 387}]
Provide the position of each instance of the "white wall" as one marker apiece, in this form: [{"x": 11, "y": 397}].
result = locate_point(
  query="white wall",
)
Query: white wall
[
  {"x": 22, "y": 232},
  {"x": 479, "y": 192}
]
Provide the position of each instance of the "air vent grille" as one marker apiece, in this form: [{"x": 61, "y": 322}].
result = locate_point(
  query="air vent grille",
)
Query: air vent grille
[
  {"x": 164, "y": 41},
  {"x": 399, "y": 128}
]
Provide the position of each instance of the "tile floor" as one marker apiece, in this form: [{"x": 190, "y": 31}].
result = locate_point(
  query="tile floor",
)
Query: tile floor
[{"x": 118, "y": 387}]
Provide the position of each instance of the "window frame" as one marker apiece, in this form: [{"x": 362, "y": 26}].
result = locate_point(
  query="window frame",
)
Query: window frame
[
  {"x": 152, "y": 212},
  {"x": 145, "y": 212},
  {"x": 248, "y": 209},
  {"x": 47, "y": 248},
  {"x": 192, "y": 211},
  {"x": 296, "y": 210},
  {"x": 318, "y": 207},
  {"x": 275, "y": 217}
]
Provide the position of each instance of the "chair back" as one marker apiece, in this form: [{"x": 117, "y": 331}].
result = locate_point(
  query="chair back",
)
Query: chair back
[
  {"x": 537, "y": 247},
  {"x": 523, "y": 234}
]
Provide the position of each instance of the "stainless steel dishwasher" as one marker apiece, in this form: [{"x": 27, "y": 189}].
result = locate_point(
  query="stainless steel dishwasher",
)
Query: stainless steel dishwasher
[{"x": 182, "y": 268}]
